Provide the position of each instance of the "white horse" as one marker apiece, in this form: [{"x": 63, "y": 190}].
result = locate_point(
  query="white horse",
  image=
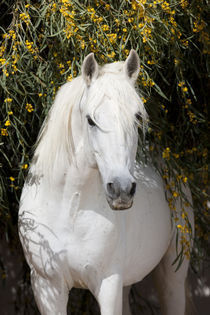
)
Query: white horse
[{"x": 90, "y": 217}]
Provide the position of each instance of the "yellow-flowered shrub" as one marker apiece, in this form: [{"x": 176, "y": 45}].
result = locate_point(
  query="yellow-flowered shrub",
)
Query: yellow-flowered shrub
[{"x": 43, "y": 44}]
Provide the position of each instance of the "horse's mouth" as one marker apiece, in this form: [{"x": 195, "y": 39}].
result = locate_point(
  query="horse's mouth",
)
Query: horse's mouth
[{"x": 118, "y": 204}]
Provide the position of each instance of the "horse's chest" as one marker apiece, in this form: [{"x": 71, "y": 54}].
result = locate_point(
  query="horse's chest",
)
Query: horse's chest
[
  {"x": 130, "y": 242},
  {"x": 90, "y": 228},
  {"x": 91, "y": 238},
  {"x": 91, "y": 244}
]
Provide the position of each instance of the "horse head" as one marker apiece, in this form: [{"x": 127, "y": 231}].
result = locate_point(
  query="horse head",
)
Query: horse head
[{"x": 111, "y": 110}]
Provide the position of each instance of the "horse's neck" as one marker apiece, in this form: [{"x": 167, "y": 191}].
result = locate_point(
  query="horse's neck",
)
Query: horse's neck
[
  {"x": 67, "y": 178},
  {"x": 78, "y": 180},
  {"x": 61, "y": 198}
]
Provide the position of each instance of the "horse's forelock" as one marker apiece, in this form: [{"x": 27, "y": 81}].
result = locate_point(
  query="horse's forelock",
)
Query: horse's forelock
[{"x": 113, "y": 84}]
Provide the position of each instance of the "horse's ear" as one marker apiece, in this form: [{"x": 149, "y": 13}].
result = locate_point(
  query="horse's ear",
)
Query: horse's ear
[
  {"x": 132, "y": 65},
  {"x": 89, "y": 68}
]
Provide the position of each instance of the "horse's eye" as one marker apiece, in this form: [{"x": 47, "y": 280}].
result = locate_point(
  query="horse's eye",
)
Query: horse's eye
[{"x": 90, "y": 121}]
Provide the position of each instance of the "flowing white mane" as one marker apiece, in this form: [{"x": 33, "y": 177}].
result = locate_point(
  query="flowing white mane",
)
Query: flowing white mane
[{"x": 55, "y": 138}]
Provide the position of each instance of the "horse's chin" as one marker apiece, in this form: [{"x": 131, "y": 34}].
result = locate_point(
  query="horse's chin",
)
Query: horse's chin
[{"x": 119, "y": 204}]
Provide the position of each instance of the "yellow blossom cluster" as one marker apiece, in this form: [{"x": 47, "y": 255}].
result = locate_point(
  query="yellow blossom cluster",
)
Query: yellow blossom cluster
[
  {"x": 8, "y": 100},
  {"x": 183, "y": 87},
  {"x": 7, "y": 123},
  {"x": 29, "y": 46},
  {"x": 184, "y": 4},
  {"x": 198, "y": 26},
  {"x": 29, "y": 108},
  {"x": 166, "y": 153},
  {"x": 112, "y": 37},
  {"x": 25, "y": 18},
  {"x": 4, "y": 132}
]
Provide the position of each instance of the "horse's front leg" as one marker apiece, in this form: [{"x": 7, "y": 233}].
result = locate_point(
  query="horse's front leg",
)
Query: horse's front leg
[
  {"x": 109, "y": 295},
  {"x": 51, "y": 295}
]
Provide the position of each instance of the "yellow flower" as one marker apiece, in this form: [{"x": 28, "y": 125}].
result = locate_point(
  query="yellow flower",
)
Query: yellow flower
[
  {"x": 54, "y": 7},
  {"x": 25, "y": 166},
  {"x": 29, "y": 107},
  {"x": 166, "y": 153},
  {"x": 181, "y": 83},
  {"x": 4, "y": 132},
  {"x": 2, "y": 61},
  {"x": 112, "y": 37},
  {"x": 180, "y": 227},
  {"x": 175, "y": 194},
  {"x": 5, "y": 72},
  {"x": 8, "y": 100},
  {"x": 176, "y": 155},
  {"x": 111, "y": 55},
  {"x": 25, "y": 18},
  {"x": 7, "y": 123},
  {"x": 185, "y": 89},
  {"x": 184, "y": 3},
  {"x": 82, "y": 44},
  {"x": 69, "y": 78},
  {"x": 130, "y": 20},
  {"x": 183, "y": 215},
  {"x": 184, "y": 179},
  {"x": 105, "y": 27},
  {"x": 176, "y": 62},
  {"x": 151, "y": 62},
  {"x": 12, "y": 179}
]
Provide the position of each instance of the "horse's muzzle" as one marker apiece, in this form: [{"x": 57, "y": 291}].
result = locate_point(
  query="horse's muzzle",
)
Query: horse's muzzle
[
  {"x": 120, "y": 193},
  {"x": 118, "y": 204}
]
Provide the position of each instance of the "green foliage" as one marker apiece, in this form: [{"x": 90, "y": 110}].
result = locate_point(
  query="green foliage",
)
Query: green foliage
[{"x": 43, "y": 44}]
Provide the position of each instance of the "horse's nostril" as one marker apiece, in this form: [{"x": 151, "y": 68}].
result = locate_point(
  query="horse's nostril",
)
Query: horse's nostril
[
  {"x": 110, "y": 188},
  {"x": 133, "y": 189},
  {"x": 123, "y": 190}
]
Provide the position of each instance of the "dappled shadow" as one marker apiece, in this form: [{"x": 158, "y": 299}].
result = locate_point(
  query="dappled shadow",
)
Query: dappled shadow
[
  {"x": 146, "y": 176},
  {"x": 39, "y": 253}
]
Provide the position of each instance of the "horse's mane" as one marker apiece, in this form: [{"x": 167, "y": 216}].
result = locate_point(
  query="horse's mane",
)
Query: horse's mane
[{"x": 55, "y": 137}]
